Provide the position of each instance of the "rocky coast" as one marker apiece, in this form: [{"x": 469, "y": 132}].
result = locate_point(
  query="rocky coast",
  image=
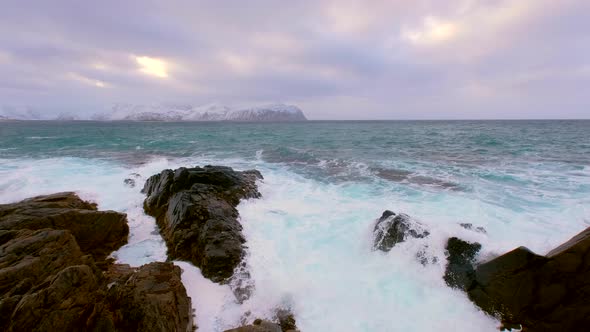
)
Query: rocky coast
[{"x": 56, "y": 272}]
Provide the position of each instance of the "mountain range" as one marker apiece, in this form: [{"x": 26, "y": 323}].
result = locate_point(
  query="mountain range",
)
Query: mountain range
[{"x": 157, "y": 112}]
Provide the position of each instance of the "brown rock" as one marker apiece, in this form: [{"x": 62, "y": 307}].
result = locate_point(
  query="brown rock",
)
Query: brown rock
[
  {"x": 97, "y": 232},
  {"x": 34, "y": 256},
  {"x": 151, "y": 298},
  {"x": 64, "y": 305},
  {"x": 48, "y": 282}
]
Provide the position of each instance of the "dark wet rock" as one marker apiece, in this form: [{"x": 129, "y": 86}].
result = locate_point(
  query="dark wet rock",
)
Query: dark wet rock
[
  {"x": 460, "y": 271},
  {"x": 541, "y": 293},
  {"x": 49, "y": 282},
  {"x": 469, "y": 226},
  {"x": 195, "y": 209},
  {"x": 129, "y": 182},
  {"x": 393, "y": 228},
  {"x": 97, "y": 232},
  {"x": 286, "y": 320}
]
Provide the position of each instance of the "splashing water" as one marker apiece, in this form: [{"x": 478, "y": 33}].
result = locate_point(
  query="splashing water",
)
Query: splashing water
[{"x": 309, "y": 237}]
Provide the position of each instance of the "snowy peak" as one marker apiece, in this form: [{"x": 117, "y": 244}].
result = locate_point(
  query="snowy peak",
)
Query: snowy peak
[
  {"x": 276, "y": 112},
  {"x": 212, "y": 112}
]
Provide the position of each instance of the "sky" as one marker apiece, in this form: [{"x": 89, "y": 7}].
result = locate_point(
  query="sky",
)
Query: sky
[{"x": 422, "y": 59}]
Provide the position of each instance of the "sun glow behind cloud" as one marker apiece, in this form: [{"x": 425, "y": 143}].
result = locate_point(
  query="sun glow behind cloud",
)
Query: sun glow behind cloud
[
  {"x": 152, "y": 66},
  {"x": 432, "y": 31}
]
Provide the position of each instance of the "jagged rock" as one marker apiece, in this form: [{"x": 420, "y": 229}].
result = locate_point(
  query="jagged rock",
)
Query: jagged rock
[
  {"x": 195, "y": 210},
  {"x": 48, "y": 282},
  {"x": 460, "y": 272},
  {"x": 35, "y": 255},
  {"x": 151, "y": 298},
  {"x": 64, "y": 304},
  {"x": 97, "y": 232},
  {"x": 541, "y": 293},
  {"x": 391, "y": 229}
]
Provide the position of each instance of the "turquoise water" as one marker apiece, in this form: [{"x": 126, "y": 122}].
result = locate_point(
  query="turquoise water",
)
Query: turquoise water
[{"x": 309, "y": 237}]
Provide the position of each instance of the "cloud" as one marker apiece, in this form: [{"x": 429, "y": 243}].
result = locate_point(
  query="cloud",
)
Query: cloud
[
  {"x": 86, "y": 80},
  {"x": 338, "y": 59}
]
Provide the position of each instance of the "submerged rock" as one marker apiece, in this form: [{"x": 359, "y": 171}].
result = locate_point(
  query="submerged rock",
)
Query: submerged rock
[
  {"x": 460, "y": 272},
  {"x": 54, "y": 276},
  {"x": 469, "y": 226},
  {"x": 391, "y": 229},
  {"x": 195, "y": 209},
  {"x": 541, "y": 293},
  {"x": 129, "y": 182},
  {"x": 398, "y": 175}
]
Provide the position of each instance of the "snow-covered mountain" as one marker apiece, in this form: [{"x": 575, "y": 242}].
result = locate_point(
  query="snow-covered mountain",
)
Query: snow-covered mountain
[
  {"x": 158, "y": 112},
  {"x": 212, "y": 112}
]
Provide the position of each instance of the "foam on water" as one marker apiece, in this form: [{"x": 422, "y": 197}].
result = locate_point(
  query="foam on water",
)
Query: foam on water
[
  {"x": 309, "y": 241},
  {"x": 94, "y": 180}
]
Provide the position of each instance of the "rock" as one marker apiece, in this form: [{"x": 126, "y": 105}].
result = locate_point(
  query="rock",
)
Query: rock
[
  {"x": 469, "y": 226},
  {"x": 48, "y": 282},
  {"x": 391, "y": 229},
  {"x": 35, "y": 255},
  {"x": 286, "y": 320},
  {"x": 151, "y": 298},
  {"x": 541, "y": 293},
  {"x": 195, "y": 209},
  {"x": 424, "y": 257},
  {"x": 65, "y": 304},
  {"x": 97, "y": 232},
  {"x": 129, "y": 182},
  {"x": 258, "y": 326},
  {"x": 460, "y": 272}
]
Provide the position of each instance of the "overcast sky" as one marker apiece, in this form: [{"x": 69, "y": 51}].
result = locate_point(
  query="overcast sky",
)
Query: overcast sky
[{"x": 335, "y": 59}]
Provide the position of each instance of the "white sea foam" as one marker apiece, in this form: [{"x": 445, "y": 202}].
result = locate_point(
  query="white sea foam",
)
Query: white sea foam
[{"x": 309, "y": 243}]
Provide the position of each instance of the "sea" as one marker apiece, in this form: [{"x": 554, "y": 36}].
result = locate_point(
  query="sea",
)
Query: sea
[{"x": 310, "y": 236}]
